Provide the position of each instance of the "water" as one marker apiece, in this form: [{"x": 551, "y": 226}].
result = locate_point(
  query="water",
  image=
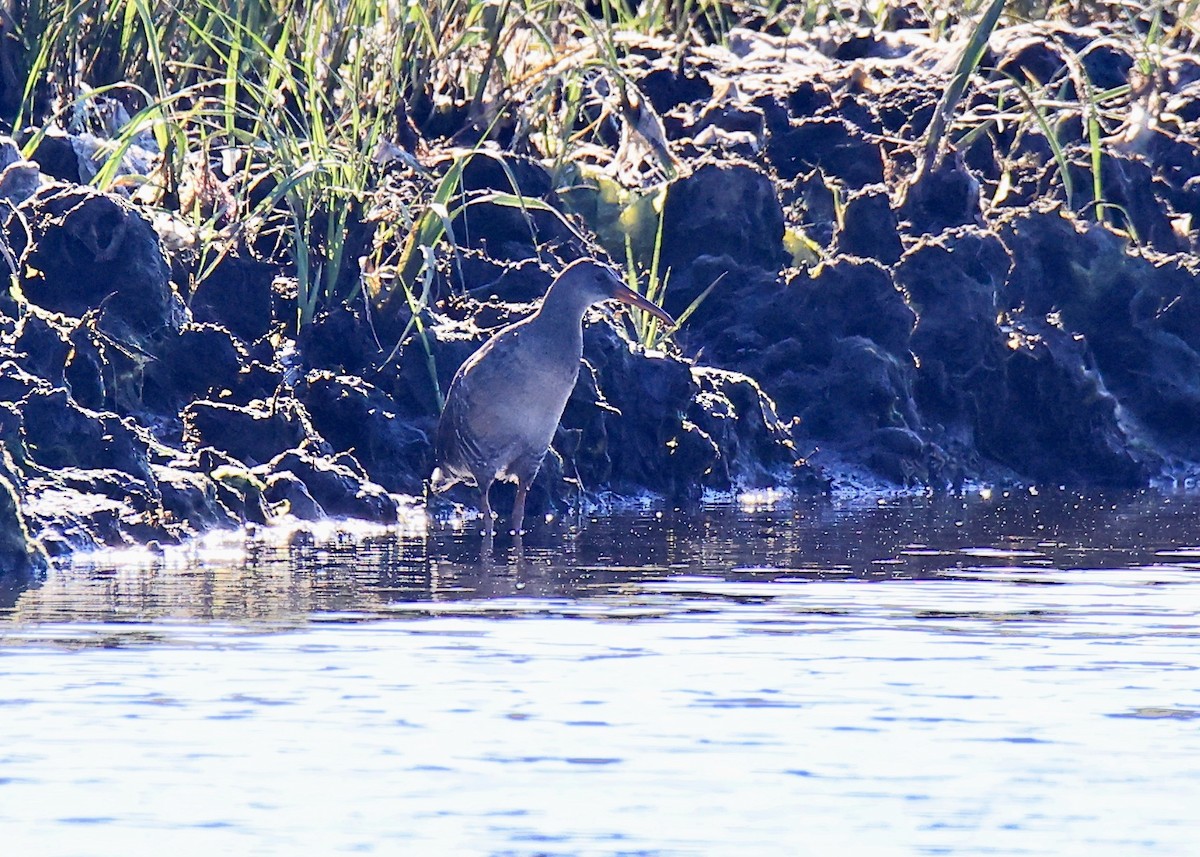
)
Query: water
[{"x": 1003, "y": 675}]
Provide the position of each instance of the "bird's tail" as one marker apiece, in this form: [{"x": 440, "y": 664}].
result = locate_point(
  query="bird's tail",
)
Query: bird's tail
[{"x": 440, "y": 480}]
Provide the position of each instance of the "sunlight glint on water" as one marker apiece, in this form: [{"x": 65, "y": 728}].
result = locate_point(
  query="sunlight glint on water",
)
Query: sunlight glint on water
[{"x": 922, "y": 677}]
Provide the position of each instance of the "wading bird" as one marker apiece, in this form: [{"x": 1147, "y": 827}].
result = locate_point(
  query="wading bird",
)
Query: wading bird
[{"x": 505, "y": 402}]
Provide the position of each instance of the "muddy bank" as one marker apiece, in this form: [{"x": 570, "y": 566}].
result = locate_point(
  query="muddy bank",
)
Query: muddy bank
[
  {"x": 132, "y": 415},
  {"x": 997, "y": 317},
  {"x": 988, "y": 322}
]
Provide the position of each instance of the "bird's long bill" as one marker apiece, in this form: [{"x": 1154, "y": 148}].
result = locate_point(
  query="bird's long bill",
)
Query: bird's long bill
[{"x": 626, "y": 295}]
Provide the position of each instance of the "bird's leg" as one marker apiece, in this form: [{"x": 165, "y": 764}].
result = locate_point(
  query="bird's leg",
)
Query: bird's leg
[
  {"x": 485, "y": 507},
  {"x": 518, "y": 513}
]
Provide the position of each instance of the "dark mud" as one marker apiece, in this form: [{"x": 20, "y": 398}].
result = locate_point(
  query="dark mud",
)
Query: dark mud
[{"x": 979, "y": 323}]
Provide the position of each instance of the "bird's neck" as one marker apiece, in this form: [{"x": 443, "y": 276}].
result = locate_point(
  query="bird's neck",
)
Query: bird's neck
[{"x": 563, "y": 308}]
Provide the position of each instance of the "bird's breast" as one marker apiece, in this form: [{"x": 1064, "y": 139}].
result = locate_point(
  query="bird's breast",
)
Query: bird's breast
[
  {"x": 542, "y": 392},
  {"x": 510, "y": 399}
]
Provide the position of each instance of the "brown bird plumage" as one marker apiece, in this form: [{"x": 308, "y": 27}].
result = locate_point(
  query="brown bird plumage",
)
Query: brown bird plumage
[{"x": 505, "y": 402}]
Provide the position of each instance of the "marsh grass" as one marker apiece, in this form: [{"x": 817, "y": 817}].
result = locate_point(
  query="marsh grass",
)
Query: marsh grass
[
  {"x": 644, "y": 273},
  {"x": 1049, "y": 109},
  {"x": 306, "y": 93},
  {"x": 644, "y": 277},
  {"x": 264, "y": 120},
  {"x": 968, "y": 61}
]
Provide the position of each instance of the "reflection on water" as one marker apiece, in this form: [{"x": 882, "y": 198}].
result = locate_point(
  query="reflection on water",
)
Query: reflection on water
[
  {"x": 289, "y": 579},
  {"x": 1016, "y": 674}
]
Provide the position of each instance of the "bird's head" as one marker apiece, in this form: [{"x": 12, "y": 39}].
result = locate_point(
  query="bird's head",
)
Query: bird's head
[{"x": 595, "y": 283}]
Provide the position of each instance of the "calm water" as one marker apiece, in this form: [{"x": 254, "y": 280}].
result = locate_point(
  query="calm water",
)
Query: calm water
[{"x": 1005, "y": 675}]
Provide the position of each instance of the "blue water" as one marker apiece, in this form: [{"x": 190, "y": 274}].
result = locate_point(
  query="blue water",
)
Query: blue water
[{"x": 1002, "y": 675}]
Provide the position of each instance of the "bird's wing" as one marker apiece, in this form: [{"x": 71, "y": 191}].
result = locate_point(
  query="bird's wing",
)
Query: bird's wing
[
  {"x": 457, "y": 449},
  {"x": 472, "y": 405},
  {"x": 503, "y": 405}
]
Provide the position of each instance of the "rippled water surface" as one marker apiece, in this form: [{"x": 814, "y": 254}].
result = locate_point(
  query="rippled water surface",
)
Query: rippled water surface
[{"x": 1002, "y": 675}]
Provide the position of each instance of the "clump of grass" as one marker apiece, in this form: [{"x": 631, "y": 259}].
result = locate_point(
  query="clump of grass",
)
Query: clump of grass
[
  {"x": 1048, "y": 109},
  {"x": 647, "y": 281},
  {"x": 968, "y": 62},
  {"x": 305, "y": 93},
  {"x": 644, "y": 273}
]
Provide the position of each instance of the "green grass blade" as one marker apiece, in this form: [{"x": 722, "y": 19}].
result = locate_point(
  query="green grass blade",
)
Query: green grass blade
[{"x": 967, "y": 63}]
